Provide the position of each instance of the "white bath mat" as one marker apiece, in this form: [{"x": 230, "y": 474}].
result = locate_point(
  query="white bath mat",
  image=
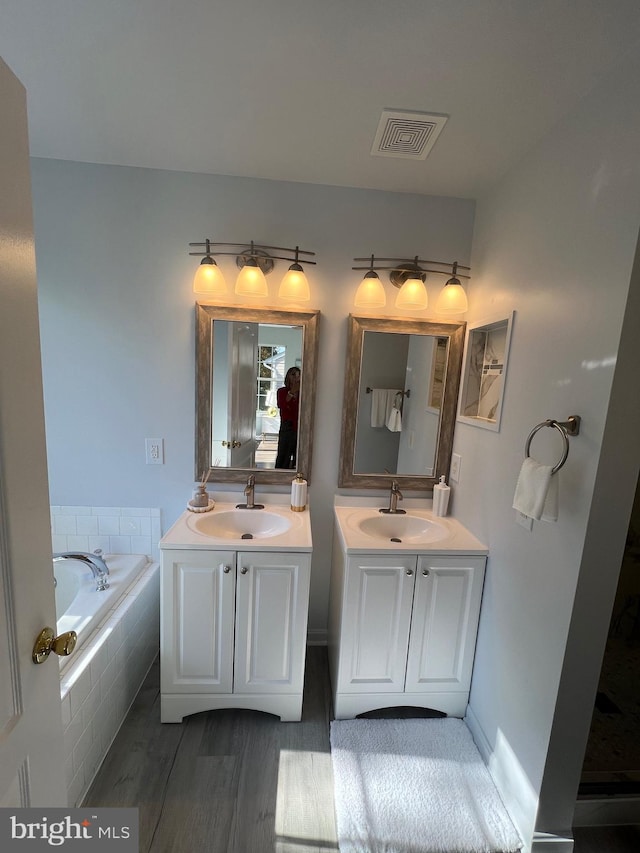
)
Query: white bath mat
[{"x": 415, "y": 786}]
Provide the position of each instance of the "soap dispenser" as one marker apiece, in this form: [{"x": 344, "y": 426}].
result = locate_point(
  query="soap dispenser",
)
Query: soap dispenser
[
  {"x": 441, "y": 494},
  {"x": 298, "y": 494}
]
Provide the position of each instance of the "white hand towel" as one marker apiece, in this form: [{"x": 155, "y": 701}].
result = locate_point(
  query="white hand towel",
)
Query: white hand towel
[
  {"x": 382, "y": 400},
  {"x": 550, "y": 508},
  {"x": 394, "y": 421},
  {"x": 378, "y": 406},
  {"x": 532, "y": 489}
]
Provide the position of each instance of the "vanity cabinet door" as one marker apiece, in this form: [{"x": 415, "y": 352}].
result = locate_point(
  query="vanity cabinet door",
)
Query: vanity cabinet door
[
  {"x": 376, "y": 617},
  {"x": 444, "y": 624},
  {"x": 197, "y": 605},
  {"x": 272, "y": 598}
]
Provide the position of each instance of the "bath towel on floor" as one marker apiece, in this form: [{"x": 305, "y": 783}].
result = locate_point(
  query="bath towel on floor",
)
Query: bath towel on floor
[
  {"x": 536, "y": 494},
  {"x": 382, "y": 400}
]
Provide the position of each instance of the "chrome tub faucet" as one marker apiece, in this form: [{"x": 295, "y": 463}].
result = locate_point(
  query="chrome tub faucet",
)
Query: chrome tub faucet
[{"x": 99, "y": 568}]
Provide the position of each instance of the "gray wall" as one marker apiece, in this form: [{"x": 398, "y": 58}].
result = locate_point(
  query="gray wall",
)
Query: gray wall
[
  {"x": 555, "y": 241},
  {"x": 117, "y": 316}
]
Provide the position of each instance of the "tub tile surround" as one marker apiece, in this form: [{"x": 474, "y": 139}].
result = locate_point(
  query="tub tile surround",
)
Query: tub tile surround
[
  {"x": 117, "y": 530},
  {"x": 102, "y": 679}
]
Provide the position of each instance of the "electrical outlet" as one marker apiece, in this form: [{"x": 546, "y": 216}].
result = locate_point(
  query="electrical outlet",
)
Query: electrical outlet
[
  {"x": 454, "y": 468},
  {"x": 524, "y": 520},
  {"x": 154, "y": 451}
]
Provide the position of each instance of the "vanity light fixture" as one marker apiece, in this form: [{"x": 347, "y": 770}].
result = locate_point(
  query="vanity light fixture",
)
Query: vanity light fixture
[
  {"x": 255, "y": 262},
  {"x": 370, "y": 293},
  {"x": 294, "y": 286},
  {"x": 409, "y": 277},
  {"x": 208, "y": 278},
  {"x": 453, "y": 299}
]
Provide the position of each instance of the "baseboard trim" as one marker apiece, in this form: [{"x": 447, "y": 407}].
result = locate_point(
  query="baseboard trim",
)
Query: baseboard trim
[
  {"x": 544, "y": 842},
  {"x": 512, "y": 783},
  {"x": 317, "y": 637},
  {"x": 607, "y": 811}
]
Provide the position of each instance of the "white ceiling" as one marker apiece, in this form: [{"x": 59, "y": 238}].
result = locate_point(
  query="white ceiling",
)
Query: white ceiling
[{"x": 294, "y": 89}]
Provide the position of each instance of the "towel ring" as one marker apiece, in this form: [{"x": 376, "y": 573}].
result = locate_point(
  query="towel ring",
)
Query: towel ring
[{"x": 565, "y": 437}]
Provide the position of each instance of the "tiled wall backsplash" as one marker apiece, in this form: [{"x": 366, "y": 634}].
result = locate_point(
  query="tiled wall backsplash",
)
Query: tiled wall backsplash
[{"x": 117, "y": 530}]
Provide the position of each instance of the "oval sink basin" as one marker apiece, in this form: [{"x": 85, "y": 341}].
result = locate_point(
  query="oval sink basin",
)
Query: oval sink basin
[
  {"x": 406, "y": 528},
  {"x": 241, "y": 523}
]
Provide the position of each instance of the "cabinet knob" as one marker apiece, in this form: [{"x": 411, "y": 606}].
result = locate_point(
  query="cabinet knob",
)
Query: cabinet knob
[
  {"x": 244, "y": 570},
  {"x": 425, "y": 573},
  {"x": 226, "y": 569},
  {"x": 409, "y": 572}
]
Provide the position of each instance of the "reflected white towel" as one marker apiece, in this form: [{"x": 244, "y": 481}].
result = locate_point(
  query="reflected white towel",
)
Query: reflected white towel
[
  {"x": 536, "y": 494},
  {"x": 394, "y": 421},
  {"x": 382, "y": 400}
]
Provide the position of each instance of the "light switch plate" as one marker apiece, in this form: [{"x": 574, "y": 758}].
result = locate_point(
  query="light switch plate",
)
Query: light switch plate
[
  {"x": 454, "y": 468},
  {"x": 154, "y": 451}
]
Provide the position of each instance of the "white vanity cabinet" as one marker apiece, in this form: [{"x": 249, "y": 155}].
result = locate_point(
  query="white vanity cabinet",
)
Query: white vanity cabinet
[
  {"x": 233, "y": 631},
  {"x": 402, "y": 630}
]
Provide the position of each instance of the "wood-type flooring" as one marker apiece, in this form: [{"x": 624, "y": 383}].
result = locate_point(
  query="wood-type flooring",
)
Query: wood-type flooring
[{"x": 242, "y": 781}]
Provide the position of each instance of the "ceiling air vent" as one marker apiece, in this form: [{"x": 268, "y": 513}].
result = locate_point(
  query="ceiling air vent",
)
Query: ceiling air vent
[{"x": 408, "y": 135}]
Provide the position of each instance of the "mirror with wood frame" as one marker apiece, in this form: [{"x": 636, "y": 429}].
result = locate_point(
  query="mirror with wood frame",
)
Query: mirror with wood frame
[
  {"x": 400, "y": 395},
  {"x": 255, "y": 392}
]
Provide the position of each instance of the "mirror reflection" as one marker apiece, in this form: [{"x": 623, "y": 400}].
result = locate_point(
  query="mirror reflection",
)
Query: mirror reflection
[
  {"x": 255, "y": 381},
  {"x": 255, "y": 394},
  {"x": 401, "y": 388},
  {"x": 399, "y": 403}
]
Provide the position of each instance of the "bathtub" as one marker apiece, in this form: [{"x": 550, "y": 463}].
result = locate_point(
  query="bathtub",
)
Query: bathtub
[
  {"x": 118, "y": 641},
  {"x": 79, "y": 606}
]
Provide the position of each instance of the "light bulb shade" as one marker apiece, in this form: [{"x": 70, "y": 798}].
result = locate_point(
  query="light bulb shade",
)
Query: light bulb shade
[
  {"x": 413, "y": 294},
  {"x": 251, "y": 281},
  {"x": 370, "y": 293},
  {"x": 294, "y": 285},
  {"x": 208, "y": 278},
  {"x": 452, "y": 299}
]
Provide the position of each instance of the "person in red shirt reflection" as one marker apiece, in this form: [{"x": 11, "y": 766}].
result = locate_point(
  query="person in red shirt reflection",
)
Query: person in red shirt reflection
[{"x": 288, "y": 399}]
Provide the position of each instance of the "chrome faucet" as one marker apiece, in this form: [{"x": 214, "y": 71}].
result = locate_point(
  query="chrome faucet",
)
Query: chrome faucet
[
  {"x": 249, "y": 491},
  {"x": 99, "y": 569},
  {"x": 394, "y": 495}
]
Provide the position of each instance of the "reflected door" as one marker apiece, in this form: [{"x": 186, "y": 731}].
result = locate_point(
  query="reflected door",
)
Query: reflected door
[
  {"x": 243, "y": 392},
  {"x": 420, "y": 418}
]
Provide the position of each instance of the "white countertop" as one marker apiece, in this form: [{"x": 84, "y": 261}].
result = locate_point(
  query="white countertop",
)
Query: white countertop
[
  {"x": 184, "y": 533},
  {"x": 350, "y": 512}
]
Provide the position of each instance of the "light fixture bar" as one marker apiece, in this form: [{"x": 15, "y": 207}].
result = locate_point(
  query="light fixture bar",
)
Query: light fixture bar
[
  {"x": 403, "y": 269},
  {"x": 372, "y": 260},
  {"x": 402, "y": 265},
  {"x": 257, "y": 247}
]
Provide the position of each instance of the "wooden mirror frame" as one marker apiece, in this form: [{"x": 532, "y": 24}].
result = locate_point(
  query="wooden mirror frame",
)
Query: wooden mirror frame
[
  {"x": 206, "y": 315},
  {"x": 358, "y": 325}
]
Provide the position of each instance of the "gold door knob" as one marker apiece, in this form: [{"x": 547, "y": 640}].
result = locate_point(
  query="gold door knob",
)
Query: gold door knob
[{"x": 47, "y": 642}]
